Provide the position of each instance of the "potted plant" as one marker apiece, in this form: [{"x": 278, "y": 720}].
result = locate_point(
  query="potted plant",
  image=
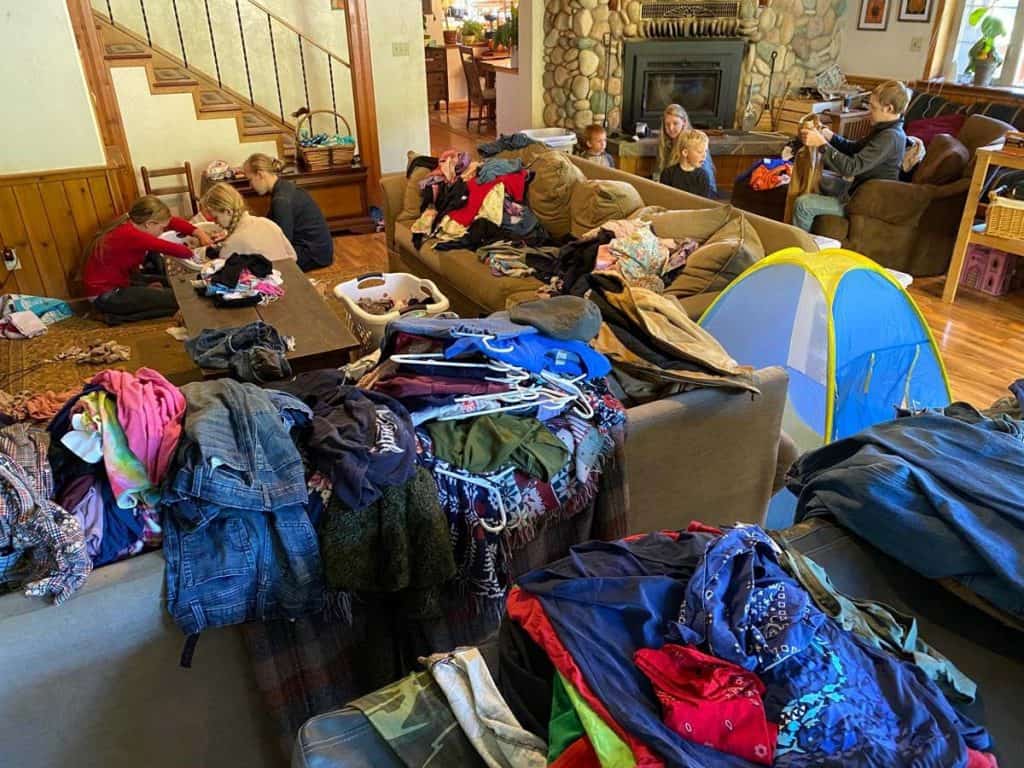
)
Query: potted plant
[
  {"x": 984, "y": 58},
  {"x": 507, "y": 35},
  {"x": 471, "y": 30},
  {"x": 451, "y": 35}
]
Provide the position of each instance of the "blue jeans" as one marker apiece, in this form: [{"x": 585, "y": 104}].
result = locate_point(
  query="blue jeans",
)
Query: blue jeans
[
  {"x": 809, "y": 207},
  {"x": 238, "y": 541}
]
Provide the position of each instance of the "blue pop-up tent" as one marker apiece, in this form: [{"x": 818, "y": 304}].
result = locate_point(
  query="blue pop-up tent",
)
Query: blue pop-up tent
[{"x": 852, "y": 339}]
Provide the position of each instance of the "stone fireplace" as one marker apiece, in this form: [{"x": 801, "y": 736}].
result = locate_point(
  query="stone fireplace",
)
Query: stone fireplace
[{"x": 587, "y": 45}]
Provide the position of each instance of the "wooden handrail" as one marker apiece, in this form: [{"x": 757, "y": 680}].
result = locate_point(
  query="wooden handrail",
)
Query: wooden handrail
[{"x": 309, "y": 40}]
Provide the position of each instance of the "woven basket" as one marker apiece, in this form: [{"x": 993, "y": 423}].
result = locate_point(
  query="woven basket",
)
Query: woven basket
[
  {"x": 323, "y": 158},
  {"x": 1005, "y": 217}
]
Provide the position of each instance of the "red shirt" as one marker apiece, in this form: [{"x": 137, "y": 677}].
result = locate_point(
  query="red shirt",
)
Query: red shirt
[{"x": 123, "y": 249}]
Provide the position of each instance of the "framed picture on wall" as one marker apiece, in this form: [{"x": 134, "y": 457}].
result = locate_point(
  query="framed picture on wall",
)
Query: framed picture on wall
[
  {"x": 874, "y": 14},
  {"x": 916, "y": 10}
]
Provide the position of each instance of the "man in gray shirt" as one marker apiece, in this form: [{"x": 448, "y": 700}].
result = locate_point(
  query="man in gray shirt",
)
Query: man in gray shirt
[{"x": 877, "y": 156}]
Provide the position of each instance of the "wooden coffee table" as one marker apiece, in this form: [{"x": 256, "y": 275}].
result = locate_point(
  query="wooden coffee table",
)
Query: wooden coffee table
[{"x": 322, "y": 339}]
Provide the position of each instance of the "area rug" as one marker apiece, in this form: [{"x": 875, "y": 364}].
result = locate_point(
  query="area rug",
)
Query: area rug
[{"x": 22, "y": 365}]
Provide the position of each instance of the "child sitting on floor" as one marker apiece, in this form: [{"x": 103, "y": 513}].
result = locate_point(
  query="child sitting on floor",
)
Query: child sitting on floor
[
  {"x": 245, "y": 233},
  {"x": 688, "y": 172},
  {"x": 596, "y": 139},
  {"x": 116, "y": 253}
]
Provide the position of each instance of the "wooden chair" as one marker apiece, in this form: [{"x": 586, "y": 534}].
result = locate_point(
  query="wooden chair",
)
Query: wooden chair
[
  {"x": 185, "y": 169},
  {"x": 483, "y": 97}
]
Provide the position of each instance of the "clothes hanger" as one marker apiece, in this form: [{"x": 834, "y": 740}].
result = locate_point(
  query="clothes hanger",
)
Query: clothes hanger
[
  {"x": 583, "y": 409},
  {"x": 495, "y": 493}
]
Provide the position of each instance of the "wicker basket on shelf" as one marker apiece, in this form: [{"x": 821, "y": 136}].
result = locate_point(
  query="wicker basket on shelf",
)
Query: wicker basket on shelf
[
  {"x": 323, "y": 158},
  {"x": 1005, "y": 217}
]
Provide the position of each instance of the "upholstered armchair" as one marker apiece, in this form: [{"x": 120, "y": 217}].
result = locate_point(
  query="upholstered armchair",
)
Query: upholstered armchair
[{"x": 912, "y": 226}]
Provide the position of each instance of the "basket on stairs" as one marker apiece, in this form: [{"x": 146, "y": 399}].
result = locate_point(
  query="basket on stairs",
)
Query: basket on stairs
[{"x": 322, "y": 158}]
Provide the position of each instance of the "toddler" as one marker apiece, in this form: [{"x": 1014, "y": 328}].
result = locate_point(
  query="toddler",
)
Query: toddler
[
  {"x": 596, "y": 139},
  {"x": 688, "y": 173}
]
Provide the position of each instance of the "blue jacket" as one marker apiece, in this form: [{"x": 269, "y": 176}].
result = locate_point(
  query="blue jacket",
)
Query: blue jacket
[{"x": 943, "y": 496}]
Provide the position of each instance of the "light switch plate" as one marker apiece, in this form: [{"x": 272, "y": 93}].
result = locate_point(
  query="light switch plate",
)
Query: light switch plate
[
  {"x": 917, "y": 44},
  {"x": 400, "y": 49}
]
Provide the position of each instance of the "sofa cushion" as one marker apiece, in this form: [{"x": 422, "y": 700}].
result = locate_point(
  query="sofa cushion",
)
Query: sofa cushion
[
  {"x": 945, "y": 161},
  {"x": 720, "y": 260},
  {"x": 928, "y": 128},
  {"x": 551, "y": 190},
  {"x": 463, "y": 269},
  {"x": 700, "y": 224},
  {"x": 411, "y": 202},
  {"x": 980, "y": 131},
  {"x": 594, "y": 202}
]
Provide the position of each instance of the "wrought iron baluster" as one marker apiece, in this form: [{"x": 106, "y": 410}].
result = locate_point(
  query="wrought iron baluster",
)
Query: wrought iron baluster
[
  {"x": 213, "y": 43},
  {"x": 110, "y": 13},
  {"x": 245, "y": 54},
  {"x": 181, "y": 38},
  {"x": 334, "y": 104},
  {"x": 277, "y": 76},
  {"x": 305, "y": 84},
  {"x": 145, "y": 23}
]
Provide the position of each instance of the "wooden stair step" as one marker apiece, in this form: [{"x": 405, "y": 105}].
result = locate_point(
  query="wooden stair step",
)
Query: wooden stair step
[
  {"x": 125, "y": 50},
  {"x": 172, "y": 77},
  {"x": 254, "y": 124},
  {"x": 216, "y": 101}
]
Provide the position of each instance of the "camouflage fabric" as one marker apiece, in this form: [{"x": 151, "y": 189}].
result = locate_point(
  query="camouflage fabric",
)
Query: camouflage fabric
[{"x": 413, "y": 717}]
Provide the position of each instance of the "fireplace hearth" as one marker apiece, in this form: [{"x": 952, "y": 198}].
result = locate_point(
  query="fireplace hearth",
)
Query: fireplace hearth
[{"x": 701, "y": 75}]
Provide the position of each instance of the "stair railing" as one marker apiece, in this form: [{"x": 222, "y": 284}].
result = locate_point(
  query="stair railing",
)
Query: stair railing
[{"x": 273, "y": 19}]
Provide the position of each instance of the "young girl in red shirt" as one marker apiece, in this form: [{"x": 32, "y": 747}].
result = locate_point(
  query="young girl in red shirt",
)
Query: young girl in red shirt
[{"x": 119, "y": 250}]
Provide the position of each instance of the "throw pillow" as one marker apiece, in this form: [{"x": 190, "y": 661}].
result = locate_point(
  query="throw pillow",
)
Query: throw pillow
[
  {"x": 928, "y": 128},
  {"x": 945, "y": 161},
  {"x": 700, "y": 224},
  {"x": 720, "y": 260},
  {"x": 411, "y": 201},
  {"x": 594, "y": 202},
  {"x": 551, "y": 190}
]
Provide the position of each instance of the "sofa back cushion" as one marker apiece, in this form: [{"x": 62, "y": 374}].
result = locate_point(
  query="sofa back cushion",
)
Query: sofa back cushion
[
  {"x": 720, "y": 260},
  {"x": 551, "y": 191},
  {"x": 595, "y": 202},
  {"x": 411, "y": 202},
  {"x": 945, "y": 161},
  {"x": 700, "y": 224}
]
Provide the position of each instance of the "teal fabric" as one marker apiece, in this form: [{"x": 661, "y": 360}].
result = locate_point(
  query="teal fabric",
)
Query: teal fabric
[{"x": 883, "y": 627}]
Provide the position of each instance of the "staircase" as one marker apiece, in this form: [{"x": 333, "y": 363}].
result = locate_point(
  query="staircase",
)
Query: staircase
[{"x": 244, "y": 84}]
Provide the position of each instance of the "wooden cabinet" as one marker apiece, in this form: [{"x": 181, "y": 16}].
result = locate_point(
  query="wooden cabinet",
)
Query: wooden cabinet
[
  {"x": 853, "y": 124},
  {"x": 437, "y": 76}
]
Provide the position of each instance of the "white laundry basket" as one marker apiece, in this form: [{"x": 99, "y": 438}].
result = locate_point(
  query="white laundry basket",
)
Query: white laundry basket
[
  {"x": 556, "y": 138},
  {"x": 397, "y": 286}
]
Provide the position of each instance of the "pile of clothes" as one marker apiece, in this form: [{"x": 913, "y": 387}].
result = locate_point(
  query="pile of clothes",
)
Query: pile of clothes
[
  {"x": 84, "y": 492},
  {"x": 256, "y": 352},
  {"x": 512, "y": 420},
  {"x": 25, "y": 317},
  {"x": 708, "y": 648},
  {"x": 940, "y": 491},
  {"x": 241, "y": 280},
  {"x": 466, "y": 204}
]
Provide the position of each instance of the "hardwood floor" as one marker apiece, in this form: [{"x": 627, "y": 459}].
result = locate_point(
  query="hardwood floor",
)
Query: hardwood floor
[
  {"x": 981, "y": 337},
  {"x": 448, "y": 131}
]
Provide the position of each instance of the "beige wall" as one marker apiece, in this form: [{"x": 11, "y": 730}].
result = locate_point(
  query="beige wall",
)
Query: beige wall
[
  {"x": 48, "y": 118},
  {"x": 884, "y": 54},
  {"x": 400, "y": 81},
  {"x": 163, "y": 131}
]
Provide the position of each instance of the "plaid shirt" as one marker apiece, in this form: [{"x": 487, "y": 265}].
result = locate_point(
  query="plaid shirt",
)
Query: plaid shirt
[{"x": 41, "y": 544}]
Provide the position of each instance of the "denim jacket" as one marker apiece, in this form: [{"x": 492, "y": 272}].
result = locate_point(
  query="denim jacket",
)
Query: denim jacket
[{"x": 238, "y": 541}]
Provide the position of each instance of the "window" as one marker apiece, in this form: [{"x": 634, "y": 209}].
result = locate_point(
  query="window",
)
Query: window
[{"x": 1009, "y": 46}]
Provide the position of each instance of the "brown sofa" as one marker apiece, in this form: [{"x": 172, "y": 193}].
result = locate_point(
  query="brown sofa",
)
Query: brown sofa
[
  {"x": 473, "y": 291},
  {"x": 912, "y": 226},
  {"x": 704, "y": 454}
]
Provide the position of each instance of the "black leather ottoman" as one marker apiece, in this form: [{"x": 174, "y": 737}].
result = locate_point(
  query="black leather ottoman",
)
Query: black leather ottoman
[{"x": 985, "y": 650}]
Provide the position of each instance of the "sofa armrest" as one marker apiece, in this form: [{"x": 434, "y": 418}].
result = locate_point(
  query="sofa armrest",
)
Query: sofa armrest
[
  {"x": 393, "y": 186},
  {"x": 894, "y": 202},
  {"x": 953, "y": 189},
  {"x": 707, "y": 454}
]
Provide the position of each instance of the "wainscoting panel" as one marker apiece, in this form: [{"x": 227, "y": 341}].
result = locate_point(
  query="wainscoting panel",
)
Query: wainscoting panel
[{"x": 49, "y": 219}]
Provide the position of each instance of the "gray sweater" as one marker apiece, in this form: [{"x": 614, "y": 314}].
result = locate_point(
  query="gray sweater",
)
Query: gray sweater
[{"x": 877, "y": 156}]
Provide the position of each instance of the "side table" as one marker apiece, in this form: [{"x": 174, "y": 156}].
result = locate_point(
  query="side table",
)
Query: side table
[{"x": 968, "y": 233}]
